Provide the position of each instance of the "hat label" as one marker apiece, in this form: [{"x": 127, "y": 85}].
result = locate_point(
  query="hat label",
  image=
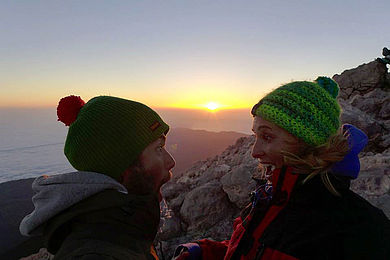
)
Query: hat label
[{"x": 155, "y": 125}]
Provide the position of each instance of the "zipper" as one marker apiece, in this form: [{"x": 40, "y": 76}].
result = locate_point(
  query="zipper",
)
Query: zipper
[
  {"x": 247, "y": 236},
  {"x": 260, "y": 251}
]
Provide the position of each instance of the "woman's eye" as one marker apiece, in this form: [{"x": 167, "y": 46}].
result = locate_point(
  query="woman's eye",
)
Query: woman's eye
[{"x": 266, "y": 137}]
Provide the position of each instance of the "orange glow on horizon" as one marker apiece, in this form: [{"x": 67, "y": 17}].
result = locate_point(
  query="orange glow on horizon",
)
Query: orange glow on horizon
[
  {"x": 211, "y": 106},
  {"x": 200, "y": 102}
]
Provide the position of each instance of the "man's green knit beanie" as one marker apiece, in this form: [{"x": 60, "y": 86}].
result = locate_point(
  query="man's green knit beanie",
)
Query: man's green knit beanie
[
  {"x": 107, "y": 134},
  {"x": 307, "y": 110}
]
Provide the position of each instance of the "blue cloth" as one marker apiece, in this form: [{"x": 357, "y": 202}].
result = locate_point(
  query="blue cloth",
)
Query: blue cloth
[
  {"x": 350, "y": 165},
  {"x": 193, "y": 248},
  {"x": 262, "y": 193}
]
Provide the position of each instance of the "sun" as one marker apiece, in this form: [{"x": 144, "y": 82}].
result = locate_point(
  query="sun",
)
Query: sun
[{"x": 212, "y": 105}]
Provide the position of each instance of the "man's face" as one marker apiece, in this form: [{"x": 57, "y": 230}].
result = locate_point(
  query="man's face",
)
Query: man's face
[
  {"x": 270, "y": 141},
  {"x": 153, "y": 170}
]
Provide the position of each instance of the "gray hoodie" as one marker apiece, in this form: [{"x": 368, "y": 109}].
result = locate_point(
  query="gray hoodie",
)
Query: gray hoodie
[{"x": 56, "y": 193}]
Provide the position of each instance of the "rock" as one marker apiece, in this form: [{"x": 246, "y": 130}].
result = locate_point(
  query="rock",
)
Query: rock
[
  {"x": 384, "y": 111},
  {"x": 371, "y": 160},
  {"x": 372, "y": 182},
  {"x": 170, "y": 226},
  {"x": 365, "y": 100},
  {"x": 362, "y": 79},
  {"x": 385, "y": 140},
  {"x": 175, "y": 203},
  {"x": 374, "y": 128},
  {"x": 373, "y": 102},
  {"x": 173, "y": 189},
  {"x": 238, "y": 184},
  {"x": 204, "y": 206},
  {"x": 214, "y": 173}
]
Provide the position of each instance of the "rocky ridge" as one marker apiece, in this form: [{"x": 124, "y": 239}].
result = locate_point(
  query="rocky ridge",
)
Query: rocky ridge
[{"x": 203, "y": 201}]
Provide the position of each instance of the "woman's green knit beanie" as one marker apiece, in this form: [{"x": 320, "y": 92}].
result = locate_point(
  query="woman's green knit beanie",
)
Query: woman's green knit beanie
[
  {"x": 107, "y": 134},
  {"x": 307, "y": 110}
]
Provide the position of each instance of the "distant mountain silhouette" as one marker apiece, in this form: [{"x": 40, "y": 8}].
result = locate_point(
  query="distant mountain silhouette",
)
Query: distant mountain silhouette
[{"x": 188, "y": 146}]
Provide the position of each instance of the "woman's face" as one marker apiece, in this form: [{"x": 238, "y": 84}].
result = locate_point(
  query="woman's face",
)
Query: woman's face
[{"x": 271, "y": 140}]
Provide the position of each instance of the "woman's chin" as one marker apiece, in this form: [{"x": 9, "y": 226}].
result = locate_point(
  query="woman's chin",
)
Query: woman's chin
[{"x": 270, "y": 167}]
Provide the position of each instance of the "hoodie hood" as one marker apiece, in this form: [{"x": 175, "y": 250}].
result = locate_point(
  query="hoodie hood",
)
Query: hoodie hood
[
  {"x": 350, "y": 165},
  {"x": 56, "y": 193},
  {"x": 122, "y": 219}
]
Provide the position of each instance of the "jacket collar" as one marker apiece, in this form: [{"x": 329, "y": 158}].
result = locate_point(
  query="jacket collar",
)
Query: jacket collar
[
  {"x": 314, "y": 192},
  {"x": 288, "y": 185}
]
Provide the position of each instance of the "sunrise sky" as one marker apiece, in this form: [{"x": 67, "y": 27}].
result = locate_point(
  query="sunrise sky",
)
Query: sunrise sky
[{"x": 182, "y": 54}]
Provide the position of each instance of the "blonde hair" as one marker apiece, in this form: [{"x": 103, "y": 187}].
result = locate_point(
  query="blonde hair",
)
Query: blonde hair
[{"x": 318, "y": 160}]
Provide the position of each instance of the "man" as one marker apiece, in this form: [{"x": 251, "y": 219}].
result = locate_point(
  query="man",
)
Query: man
[
  {"x": 109, "y": 208},
  {"x": 386, "y": 56}
]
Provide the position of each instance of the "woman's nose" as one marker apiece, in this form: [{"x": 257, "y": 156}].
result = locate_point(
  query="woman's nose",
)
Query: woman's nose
[{"x": 257, "y": 150}]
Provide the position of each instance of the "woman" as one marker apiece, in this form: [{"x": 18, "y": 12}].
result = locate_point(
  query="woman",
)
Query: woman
[{"x": 304, "y": 209}]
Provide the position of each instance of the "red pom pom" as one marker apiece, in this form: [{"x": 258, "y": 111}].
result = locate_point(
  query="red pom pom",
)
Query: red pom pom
[{"x": 68, "y": 109}]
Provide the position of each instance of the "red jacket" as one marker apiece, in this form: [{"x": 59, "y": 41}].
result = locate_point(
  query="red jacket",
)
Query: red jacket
[
  {"x": 305, "y": 222},
  {"x": 226, "y": 249}
]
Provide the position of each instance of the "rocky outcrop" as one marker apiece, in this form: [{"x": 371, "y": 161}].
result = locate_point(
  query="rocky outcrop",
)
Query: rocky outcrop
[
  {"x": 364, "y": 97},
  {"x": 365, "y": 100},
  {"x": 204, "y": 200},
  {"x": 362, "y": 80},
  {"x": 373, "y": 183}
]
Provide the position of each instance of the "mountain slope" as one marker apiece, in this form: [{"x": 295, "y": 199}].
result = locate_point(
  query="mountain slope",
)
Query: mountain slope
[{"x": 188, "y": 146}]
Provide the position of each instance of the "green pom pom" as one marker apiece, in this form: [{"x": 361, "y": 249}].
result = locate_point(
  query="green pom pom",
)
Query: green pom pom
[{"x": 329, "y": 85}]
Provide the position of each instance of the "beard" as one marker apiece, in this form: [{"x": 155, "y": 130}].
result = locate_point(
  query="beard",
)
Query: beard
[{"x": 138, "y": 181}]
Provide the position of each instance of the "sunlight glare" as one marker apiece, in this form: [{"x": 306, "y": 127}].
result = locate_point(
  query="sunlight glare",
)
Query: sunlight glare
[{"x": 212, "y": 106}]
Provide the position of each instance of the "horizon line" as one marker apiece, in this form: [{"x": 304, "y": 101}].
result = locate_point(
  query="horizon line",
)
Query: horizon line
[{"x": 153, "y": 107}]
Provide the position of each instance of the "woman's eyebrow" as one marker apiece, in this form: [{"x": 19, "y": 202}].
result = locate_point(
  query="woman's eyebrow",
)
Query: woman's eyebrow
[{"x": 260, "y": 127}]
